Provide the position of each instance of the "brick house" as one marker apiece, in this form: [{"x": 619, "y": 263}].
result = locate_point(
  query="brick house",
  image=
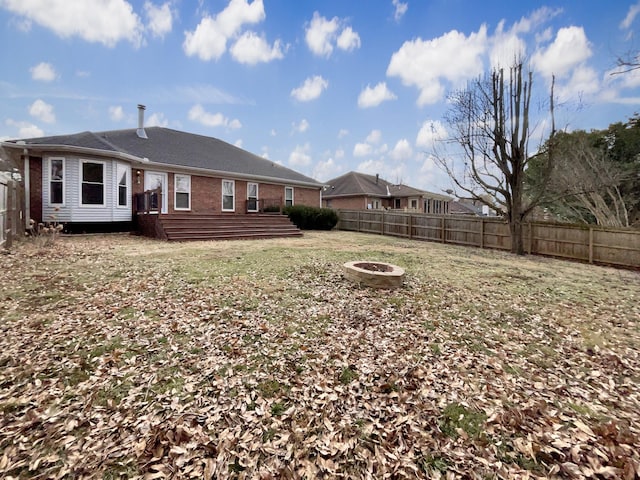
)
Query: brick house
[
  {"x": 359, "y": 191},
  {"x": 107, "y": 180}
]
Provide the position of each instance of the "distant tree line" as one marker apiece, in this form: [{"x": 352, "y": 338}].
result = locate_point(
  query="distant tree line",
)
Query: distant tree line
[{"x": 595, "y": 177}]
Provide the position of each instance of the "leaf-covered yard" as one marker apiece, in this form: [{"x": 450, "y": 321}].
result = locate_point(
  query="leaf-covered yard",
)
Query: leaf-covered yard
[{"x": 124, "y": 357}]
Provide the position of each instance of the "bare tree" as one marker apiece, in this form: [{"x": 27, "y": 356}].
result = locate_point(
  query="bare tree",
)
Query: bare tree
[
  {"x": 490, "y": 121},
  {"x": 586, "y": 184}
]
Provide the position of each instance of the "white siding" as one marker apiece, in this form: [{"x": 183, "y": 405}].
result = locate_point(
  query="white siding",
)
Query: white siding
[{"x": 72, "y": 210}]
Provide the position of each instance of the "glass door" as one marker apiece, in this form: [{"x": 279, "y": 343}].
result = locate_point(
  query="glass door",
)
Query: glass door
[{"x": 154, "y": 180}]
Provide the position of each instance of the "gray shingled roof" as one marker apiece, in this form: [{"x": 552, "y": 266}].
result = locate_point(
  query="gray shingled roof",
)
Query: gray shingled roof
[
  {"x": 357, "y": 184},
  {"x": 173, "y": 147}
]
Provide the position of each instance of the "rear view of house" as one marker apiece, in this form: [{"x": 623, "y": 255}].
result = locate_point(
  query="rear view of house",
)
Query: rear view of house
[{"x": 107, "y": 180}]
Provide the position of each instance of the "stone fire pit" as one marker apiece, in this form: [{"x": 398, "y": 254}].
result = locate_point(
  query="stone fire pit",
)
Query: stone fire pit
[{"x": 374, "y": 274}]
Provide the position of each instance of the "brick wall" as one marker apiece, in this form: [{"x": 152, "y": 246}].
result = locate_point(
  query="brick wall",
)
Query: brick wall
[
  {"x": 347, "y": 203},
  {"x": 35, "y": 188},
  {"x": 206, "y": 193}
]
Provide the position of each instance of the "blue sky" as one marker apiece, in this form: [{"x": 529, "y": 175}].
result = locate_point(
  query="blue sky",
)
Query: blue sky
[{"x": 321, "y": 86}]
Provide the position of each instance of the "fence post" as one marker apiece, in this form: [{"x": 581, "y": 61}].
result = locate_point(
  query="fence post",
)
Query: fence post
[
  {"x": 590, "y": 244},
  {"x": 530, "y": 238},
  {"x": 358, "y": 222},
  {"x": 382, "y": 223},
  {"x": 442, "y": 230},
  {"x": 481, "y": 232},
  {"x": 410, "y": 226}
]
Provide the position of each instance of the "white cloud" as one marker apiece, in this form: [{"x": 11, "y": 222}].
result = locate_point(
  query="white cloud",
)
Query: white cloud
[
  {"x": 157, "y": 120},
  {"x": 42, "y": 111},
  {"x": 199, "y": 115},
  {"x": 44, "y": 72},
  {"x": 251, "y": 49},
  {"x": 100, "y": 21},
  {"x": 273, "y": 132},
  {"x": 569, "y": 49},
  {"x": 362, "y": 150},
  {"x": 348, "y": 40},
  {"x": 374, "y": 136},
  {"x": 116, "y": 113},
  {"x": 431, "y": 132},
  {"x": 300, "y": 156},
  {"x": 322, "y": 34},
  {"x": 301, "y": 127},
  {"x": 401, "y": 151},
  {"x": 426, "y": 64},
  {"x": 339, "y": 154},
  {"x": 325, "y": 170},
  {"x": 311, "y": 89},
  {"x": 343, "y": 133},
  {"x": 159, "y": 18},
  {"x": 374, "y": 96},
  {"x": 25, "y": 129},
  {"x": 209, "y": 39},
  {"x": 400, "y": 9},
  {"x": 633, "y": 12}
]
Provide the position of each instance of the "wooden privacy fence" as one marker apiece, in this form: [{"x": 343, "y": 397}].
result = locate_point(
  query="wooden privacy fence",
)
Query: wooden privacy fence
[{"x": 591, "y": 244}]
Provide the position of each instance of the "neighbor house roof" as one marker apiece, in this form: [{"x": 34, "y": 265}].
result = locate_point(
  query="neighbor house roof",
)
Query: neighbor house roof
[
  {"x": 358, "y": 184},
  {"x": 165, "y": 146}
]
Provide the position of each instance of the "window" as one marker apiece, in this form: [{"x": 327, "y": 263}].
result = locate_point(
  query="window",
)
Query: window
[
  {"x": 252, "y": 197},
  {"x": 182, "y": 192},
  {"x": 92, "y": 179},
  {"x": 122, "y": 173},
  {"x": 414, "y": 203},
  {"x": 397, "y": 203},
  {"x": 228, "y": 195},
  {"x": 56, "y": 180},
  {"x": 288, "y": 196}
]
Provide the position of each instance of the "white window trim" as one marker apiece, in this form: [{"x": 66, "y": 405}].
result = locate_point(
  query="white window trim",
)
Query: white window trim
[
  {"x": 104, "y": 184},
  {"x": 175, "y": 192},
  {"x": 257, "y": 196},
  {"x": 292, "y": 196},
  {"x": 64, "y": 181},
  {"x": 128, "y": 185},
  {"x": 233, "y": 189}
]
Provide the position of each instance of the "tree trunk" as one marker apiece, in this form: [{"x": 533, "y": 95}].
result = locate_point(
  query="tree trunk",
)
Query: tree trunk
[{"x": 517, "y": 241}]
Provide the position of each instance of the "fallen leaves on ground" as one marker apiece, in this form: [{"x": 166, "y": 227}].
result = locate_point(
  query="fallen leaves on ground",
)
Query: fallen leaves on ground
[{"x": 124, "y": 357}]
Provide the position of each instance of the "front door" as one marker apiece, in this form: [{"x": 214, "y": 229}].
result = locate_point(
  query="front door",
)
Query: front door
[{"x": 153, "y": 180}]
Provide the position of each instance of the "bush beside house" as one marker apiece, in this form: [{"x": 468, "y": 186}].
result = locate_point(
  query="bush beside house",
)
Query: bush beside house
[{"x": 312, "y": 218}]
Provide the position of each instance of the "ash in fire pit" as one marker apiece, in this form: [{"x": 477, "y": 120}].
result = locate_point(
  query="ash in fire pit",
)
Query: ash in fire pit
[{"x": 374, "y": 274}]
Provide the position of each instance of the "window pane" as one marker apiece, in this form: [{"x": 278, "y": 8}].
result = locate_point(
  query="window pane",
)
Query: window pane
[
  {"x": 56, "y": 192},
  {"x": 122, "y": 196},
  {"x": 227, "y": 188},
  {"x": 92, "y": 172},
  {"x": 92, "y": 194},
  {"x": 227, "y": 202},
  {"x": 183, "y": 183},
  {"x": 182, "y": 200},
  {"x": 123, "y": 179},
  {"x": 252, "y": 190},
  {"x": 56, "y": 170}
]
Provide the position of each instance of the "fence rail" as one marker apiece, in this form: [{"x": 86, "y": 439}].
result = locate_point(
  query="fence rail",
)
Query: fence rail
[{"x": 620, "y": 247}]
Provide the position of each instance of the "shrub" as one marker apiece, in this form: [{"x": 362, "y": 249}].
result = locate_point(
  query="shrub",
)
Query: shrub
[{"x": 312, "y": 218}]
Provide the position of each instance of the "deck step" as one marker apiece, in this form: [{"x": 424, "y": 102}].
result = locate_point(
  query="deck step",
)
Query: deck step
[{"x": 185, "y": 227}]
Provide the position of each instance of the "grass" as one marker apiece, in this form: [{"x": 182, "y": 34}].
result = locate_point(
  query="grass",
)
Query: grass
[{"x": 202, "y": 347}]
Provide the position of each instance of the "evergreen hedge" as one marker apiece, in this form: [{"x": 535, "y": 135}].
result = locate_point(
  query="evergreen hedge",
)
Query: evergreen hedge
[{"x": 312, "y": 218}]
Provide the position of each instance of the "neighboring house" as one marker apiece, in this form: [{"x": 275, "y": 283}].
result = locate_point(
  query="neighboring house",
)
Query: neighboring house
[
  {"x": 97, "y": 179},
  {"x": 463, "y": 206},
  {"x": 359, "y": 191}
]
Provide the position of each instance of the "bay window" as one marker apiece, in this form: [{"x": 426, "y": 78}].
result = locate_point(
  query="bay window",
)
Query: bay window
[{"x": 92, "y": 182}]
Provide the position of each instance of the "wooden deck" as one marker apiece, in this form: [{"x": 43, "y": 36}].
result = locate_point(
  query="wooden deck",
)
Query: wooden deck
[{"x": 188, "y": 227}]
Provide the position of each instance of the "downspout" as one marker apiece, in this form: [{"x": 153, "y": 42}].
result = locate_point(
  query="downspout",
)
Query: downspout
[{"x": 27, "y": 191}]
